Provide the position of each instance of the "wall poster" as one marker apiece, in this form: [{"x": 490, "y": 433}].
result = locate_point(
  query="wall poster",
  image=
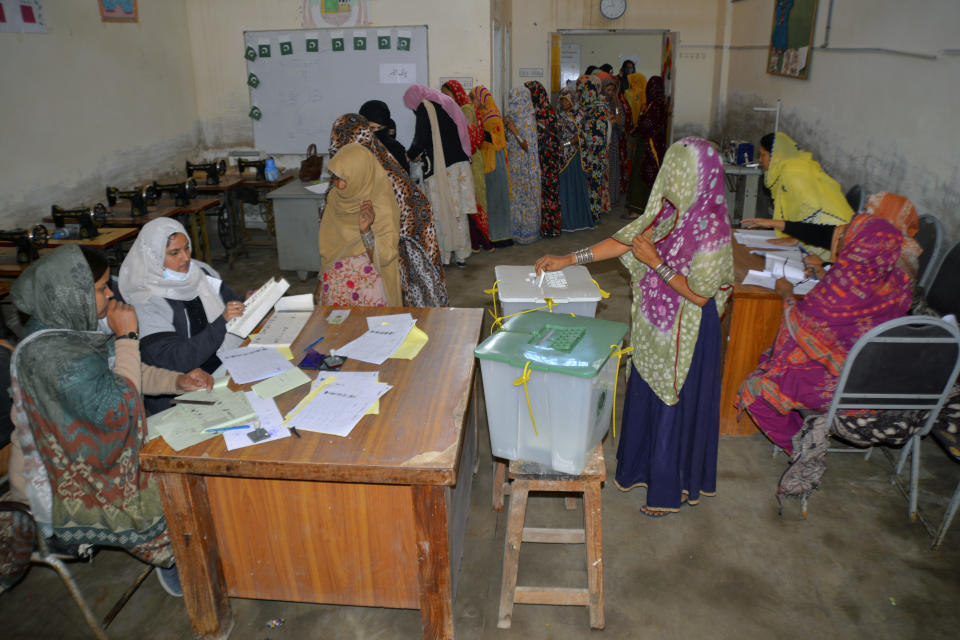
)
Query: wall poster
[{"x": 791, "y": 38}]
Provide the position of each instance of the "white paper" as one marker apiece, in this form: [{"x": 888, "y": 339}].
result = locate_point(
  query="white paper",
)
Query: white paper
[
  {"x": 779, "y": 267},
  {"x": 756, "y": 238},
  {"x": 337, "y": 408},
  {"x": 377, "y": 344},
  {"x": 377, "y": 321},
  {"x": 281, "y": 329},
  {"x": 250, "y": 364},
  {"x": 760, "y": 279},
  {"x": 266, "y": 409},
  {"x": 257, "y": 306},
  {"x": 320, "y": 188},
  {"x": 398, "y": 73},
  {"x": 302, "y": 302},
  {"x": 238, "y": 439}
]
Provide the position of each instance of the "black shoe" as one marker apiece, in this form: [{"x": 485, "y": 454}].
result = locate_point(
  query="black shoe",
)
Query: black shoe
[{"x": 462, "y": 264}]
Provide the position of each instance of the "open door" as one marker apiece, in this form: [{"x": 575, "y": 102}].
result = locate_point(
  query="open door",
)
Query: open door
[{"x": 668, "y": 71}]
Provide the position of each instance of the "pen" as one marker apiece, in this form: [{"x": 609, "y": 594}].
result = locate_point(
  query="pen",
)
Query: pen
[
  {"x": 317, "y": 341},
  {"x": 180, "y": 401},
  {"x": 221, "y": 429},
  {"x": 293, "y": 430}
]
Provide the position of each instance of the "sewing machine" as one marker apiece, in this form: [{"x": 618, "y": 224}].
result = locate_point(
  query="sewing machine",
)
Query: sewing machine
[
  {"x": 87, "y": 218},
  {"x": 259, "y": 165},
  {"x": 27, "y": 241},
  {"x": 182, "y": 192},
  {"x": 213, "y": 170},
  {"x": 139, "y": 198}
]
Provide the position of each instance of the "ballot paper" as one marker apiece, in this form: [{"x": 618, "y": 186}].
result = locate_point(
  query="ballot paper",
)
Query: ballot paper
[
  {"x": 768, "y": 280},
  {"x": 289, "y": 379},
  {"x": 755, "y": 238},
  {"x": 179, "y": 429},
  {"x": 251, "y": 364},
  {"x": 257, "y": 306},
  {"x": 381, "y": 340},
  {"x": 268, "y": 417},
  {"x": 281, "y": 329},
  {"x": 780, "y": 267},
  {"x": 338, "y": 407},
  {"x": 302, "y": 302}
]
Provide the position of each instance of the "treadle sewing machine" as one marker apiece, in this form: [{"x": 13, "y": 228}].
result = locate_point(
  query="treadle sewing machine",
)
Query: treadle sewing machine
[
  {"x": 27, "y": 241},
  {"x": 183, "y": 192},
  {"x": 213, "y": 170},
  {"x": 260, "y": 166},
  {"x": 139, "y": 198},
  {"x": 89, "y": 219}
]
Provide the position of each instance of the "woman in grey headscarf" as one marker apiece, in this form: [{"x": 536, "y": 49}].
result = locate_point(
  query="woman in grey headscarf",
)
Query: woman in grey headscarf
[{"x": 182, "y": 305}]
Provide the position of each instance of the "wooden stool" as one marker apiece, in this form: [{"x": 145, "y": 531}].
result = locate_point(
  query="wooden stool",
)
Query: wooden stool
[{"x": 531, "y": 476}]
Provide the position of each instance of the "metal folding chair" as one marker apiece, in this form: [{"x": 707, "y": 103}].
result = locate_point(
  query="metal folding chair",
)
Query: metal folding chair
[
  {"x": 931, "y": 238},
  {"x": 944, "y": 292}
]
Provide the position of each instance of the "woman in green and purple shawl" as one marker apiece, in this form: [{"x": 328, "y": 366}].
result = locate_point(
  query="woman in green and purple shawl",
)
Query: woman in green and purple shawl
[{"x": 681, "y": 270}]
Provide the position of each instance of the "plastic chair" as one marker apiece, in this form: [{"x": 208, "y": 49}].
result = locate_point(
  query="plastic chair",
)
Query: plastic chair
[
  {"x": 944, "y": 292},
  {"x": 856, "y": 196},
  {"x": 21, "y": 545},
  {"x": 931, "y": 238}
]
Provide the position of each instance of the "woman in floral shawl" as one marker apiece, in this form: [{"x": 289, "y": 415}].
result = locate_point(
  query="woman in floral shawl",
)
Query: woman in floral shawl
[
  {"x": 524, "y": 167},
  {"x": 620, "y": 121},
  {"x": 573, "y": 191},
  {"x": 80, "y": 422},
  {"x": 593, "y": 144},
  {"x": 479, "y": 225},
  {"x": 864, "y": 288},
  {"x": 680, "y": 261},
  {"x": 494, "y": 153},
  {"x": 548, "y": 146},
  {"x": 651, "y": 132},
  {"x": 421, "y": 273}
]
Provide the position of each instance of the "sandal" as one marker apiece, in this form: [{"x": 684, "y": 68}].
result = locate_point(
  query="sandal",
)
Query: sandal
[{"x": 654, "y": 513}]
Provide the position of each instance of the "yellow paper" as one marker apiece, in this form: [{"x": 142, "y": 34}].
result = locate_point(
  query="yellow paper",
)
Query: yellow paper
[
  {"x": 412, "y": 345},
  {"x": 289, "y": 379},
  {"x": 307, "y": 398},
  {"x": 287, "y": 353}
]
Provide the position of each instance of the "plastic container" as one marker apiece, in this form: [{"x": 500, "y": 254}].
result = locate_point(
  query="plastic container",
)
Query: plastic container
[
  {"x": 270, "y": 170},
  {"x": 572, "y": 290},
  {"x": 572, "y": 375}
]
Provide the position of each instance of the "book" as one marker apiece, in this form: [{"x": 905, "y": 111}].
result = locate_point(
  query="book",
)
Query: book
[{"x": 258, "y": 305}]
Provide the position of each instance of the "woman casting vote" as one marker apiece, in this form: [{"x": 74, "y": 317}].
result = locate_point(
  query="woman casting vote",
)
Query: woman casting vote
[{"x": 182, "y": 305}]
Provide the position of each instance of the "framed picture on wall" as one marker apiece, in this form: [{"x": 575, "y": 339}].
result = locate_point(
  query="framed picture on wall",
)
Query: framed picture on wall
[
  {"x": 791, "y": 38},
  {"x": 118, "y": 10}
]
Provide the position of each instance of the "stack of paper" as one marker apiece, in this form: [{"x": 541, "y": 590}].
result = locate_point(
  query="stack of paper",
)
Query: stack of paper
[
  {"x": 384, "y": 336},
  {"x": 184, "y": 425},
  {"x": 755, "y": 238},
  {"x": 251, "y": 364},
  {"x": 257, "y": 306},
  {"x": 337, "y": 402}
]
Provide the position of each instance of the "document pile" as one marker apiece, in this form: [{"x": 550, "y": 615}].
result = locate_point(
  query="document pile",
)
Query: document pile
[
  {"x": 337, "y": 401},
  {"x": 291, "y": 314},
  {"x": 779, "y": 266},
  {"x": 257, "y": 306},
  {"x": 384, "y": 336}
]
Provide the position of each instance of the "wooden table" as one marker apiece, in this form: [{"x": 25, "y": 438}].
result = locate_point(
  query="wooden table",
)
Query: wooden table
[
  {"x": 375, "y": 519},
  {"x": 753, "y": 321},
  {"x": 107, "y": 238}
]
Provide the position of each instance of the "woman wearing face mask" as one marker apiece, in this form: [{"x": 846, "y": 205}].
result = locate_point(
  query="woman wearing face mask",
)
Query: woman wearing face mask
[{"x": 182, "y": 305}]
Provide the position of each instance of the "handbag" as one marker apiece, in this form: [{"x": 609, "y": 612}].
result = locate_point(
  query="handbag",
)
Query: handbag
[{"x": 312, "y": 166}]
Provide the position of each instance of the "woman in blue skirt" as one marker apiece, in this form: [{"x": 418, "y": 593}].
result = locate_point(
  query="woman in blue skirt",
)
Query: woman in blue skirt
[
  {"x": 574, "y": 195},
  {"x": 681, "y": 269}
]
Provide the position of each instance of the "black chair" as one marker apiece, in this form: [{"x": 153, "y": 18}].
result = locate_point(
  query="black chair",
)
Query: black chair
[
  {"x": 930, "y": 236},
  {"x": 856, "y": 197},
  {"x": 944, "y": 293}
]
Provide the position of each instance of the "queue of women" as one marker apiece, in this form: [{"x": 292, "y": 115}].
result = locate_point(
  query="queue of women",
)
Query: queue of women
[{"x": 91, "y": 367}]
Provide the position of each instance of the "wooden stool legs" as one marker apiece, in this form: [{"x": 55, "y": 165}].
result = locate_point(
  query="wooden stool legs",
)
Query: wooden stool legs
[{"x": 527, "y": 478}]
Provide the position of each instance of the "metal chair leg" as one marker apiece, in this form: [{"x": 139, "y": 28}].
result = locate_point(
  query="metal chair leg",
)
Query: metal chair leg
[
  {"x": 947, "y": 518},
  {"x": 57, "y": 565}
]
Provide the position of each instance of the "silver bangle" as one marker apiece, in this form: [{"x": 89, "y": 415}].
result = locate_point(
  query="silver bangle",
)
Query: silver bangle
[
  {"x": 666, "y": 272},
  {"x": 583, "y": 256},
  {"x": 369, "y": 240}
]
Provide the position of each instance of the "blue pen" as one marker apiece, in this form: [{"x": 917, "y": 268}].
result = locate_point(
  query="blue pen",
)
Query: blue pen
[
  {"x": 222, "y": 429},
  {"x": 317, "y": 341}
]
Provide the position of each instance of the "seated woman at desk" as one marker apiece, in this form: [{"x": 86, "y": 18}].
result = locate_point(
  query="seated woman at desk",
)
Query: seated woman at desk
[
  {"x": 893, "y": 208},
  {"x": 441, "y": 140},
  {"x": 864, "y": 288},
  {"x": 681, "y": 265},
  {"x": 359, "y": 233},
  {"x": 801, "y": 190},
  {"x": 79, "y": 418},
  {"x": 182, "y": 305}
]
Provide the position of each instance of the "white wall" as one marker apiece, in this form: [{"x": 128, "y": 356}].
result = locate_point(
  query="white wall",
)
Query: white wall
[
  {"x": 644, "y": 49},
  {"x": 699, "y": 23},
  {"x": 884, "y": 120},
  {"x": 459, "y": 41},
  {"x": 92, "y": 103}
]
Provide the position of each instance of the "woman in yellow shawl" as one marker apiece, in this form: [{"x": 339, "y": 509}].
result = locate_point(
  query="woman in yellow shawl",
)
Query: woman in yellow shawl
[
  {"x": 359, "y": 233},
  {"x": 494, "y": 153},
  {"x": 801, "y": 190},
  {"x": 636, "y": 96}
]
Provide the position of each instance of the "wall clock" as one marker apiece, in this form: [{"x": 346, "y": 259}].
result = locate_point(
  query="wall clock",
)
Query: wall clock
[{"x": 613, "y": 9}]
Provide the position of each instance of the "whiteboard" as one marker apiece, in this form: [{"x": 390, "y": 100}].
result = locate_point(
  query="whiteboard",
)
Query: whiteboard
[{"x": 310, "y": 77}]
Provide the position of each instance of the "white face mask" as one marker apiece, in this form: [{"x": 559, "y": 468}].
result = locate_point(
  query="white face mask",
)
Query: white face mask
[
  {"x": 179, "y": 276},
  {"x": 103, "y": 326}
]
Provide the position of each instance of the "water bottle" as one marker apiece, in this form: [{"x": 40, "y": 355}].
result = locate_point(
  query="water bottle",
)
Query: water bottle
[{"x": 270, "y": 171}]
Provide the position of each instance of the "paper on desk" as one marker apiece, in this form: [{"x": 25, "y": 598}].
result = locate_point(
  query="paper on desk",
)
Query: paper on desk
[
  {"x": 318, "y": 385},
  {"x": 289, "y": 379},
  {"x": 250, "y": 364},
  {"x": 179, "y": 428},
  {"x": 755, "y": 238},
  {"x": 788, "y": 254},
  {"x": 378, "y": 343},
  {"x": 280, "y": 330},
  {"x": 320, "y": 187},
  {"x": 415, "y": 341},
  {"x": 780, "y": 267},
  {"x": 394, "y": 318},
  {"x": 269, "y": 418},
  {"x": 337, "y": 316},
  {"x": 369, "y": 376},
  {"x": 338, "y": 407},
  {"x": 760, "y": 279},
  {"x": 302, "y": 302}
]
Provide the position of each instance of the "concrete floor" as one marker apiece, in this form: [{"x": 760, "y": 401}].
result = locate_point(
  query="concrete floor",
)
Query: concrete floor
[{"x": 730, "y": 567}]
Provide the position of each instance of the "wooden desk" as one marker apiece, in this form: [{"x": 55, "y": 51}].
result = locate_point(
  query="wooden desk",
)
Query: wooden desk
[
  {"x": 753, "y": 322},
  {"x": 107, "y": 238},
  {"x": 229, "y": 227},
  {"x": 120, "y": 217},
  {"x": 375, "y": 519}
]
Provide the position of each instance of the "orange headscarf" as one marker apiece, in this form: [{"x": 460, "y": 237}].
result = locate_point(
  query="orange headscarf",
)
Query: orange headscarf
[{"x": 899, "y": 211}]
